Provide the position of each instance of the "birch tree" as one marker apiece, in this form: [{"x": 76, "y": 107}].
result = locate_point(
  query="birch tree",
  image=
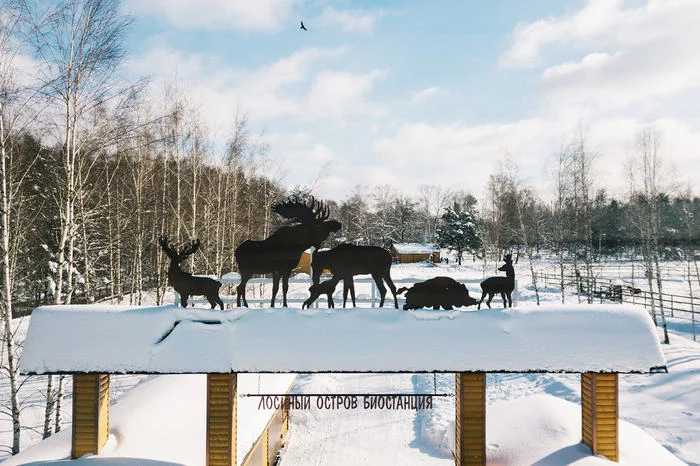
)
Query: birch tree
[
  {"x": 9, "y": 355},
  {"x": 646, "y": 178},
  {"x": 18, "y": 109},
  {"x": 79, "y": 46}
]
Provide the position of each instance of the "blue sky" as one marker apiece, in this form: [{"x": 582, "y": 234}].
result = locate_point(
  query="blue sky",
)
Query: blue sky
[{"x": 406, "y": 93}]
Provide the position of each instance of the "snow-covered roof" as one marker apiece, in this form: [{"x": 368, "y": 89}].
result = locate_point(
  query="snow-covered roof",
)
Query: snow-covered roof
[
  {"x": 169, "y": 339},
  {"x": 415, "y": 248}
]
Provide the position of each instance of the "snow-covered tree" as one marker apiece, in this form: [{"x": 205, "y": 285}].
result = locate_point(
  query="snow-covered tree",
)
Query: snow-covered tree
[{"x": 458, "y": 231}]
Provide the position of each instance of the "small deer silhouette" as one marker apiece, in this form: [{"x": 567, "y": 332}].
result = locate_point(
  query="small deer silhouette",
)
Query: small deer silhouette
[
  {"x": 503, "y": 285},
  {"x": 327, "y": 287},
  {"x": 184, "y": 283}
]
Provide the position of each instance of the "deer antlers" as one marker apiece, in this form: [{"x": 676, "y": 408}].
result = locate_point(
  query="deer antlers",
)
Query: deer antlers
[
  {"x": 312, "y": 211},
  {"x": 185, "y": 251}
]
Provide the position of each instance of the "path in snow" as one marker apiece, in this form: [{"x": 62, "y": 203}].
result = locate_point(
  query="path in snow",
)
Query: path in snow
[{"x": 357, "y": 436}]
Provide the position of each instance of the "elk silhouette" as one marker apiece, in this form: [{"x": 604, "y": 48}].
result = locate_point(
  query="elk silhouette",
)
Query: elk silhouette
[
  {"x": 280, "y": 252},
  {"x": 185, "y": 283},
  {"x": 347, "y": 260},
  {"x": 502, "y": 285}
]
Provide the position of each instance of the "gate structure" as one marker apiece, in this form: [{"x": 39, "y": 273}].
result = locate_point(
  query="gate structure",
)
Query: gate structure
[{"x": 596, "y": 341}]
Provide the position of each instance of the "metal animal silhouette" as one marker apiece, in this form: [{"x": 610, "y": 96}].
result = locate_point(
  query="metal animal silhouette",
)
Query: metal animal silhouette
[
  {"x": 327, "y": 288},
  {"x": 280, "y": 252},
  {"x": 437, "y": 292},
  {"x": 503, "y": 285},
  {"x": 347, "y": 260},
  {"x": 185, "y": 283}
]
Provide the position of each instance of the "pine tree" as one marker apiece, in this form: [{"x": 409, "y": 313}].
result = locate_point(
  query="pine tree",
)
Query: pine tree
[{"x": 458, "y": 231}]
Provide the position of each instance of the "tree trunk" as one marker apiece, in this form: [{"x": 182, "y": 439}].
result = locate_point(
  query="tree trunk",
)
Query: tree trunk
[
  {"x": 48, "y": 412},
  {"x": 659, "y": 284},
  {"x": 59, "y": 402},
  {"x": 6, "y": 306}
]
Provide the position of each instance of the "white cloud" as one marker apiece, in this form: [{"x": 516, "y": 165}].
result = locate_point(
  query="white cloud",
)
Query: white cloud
[
  {"x": 248, "y": 15},
  {"x": 597, "y": 17},
  {"x": 286, "y": 87},
  {"x": 617, "y": 59},
  {"x": 350, "y": 20},
  {"x": 338, "y": 94},
  {"x": 464, "y": 156},
  {"x": 424, "y": 94},
  {"x": 604, "y": 25}
]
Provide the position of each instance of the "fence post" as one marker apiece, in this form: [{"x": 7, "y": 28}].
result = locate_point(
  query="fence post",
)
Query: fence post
[{"x": 671, "y": 305}]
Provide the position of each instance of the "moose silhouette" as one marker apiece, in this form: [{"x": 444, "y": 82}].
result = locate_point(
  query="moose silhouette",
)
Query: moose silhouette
[
  {"x": 347, "y": 260},
  {"x": 185, "y": 283},
  {"x": 503, "y": 285},
  {"x": 436, "y": 292},
  {"x": 280, "y": 252}
]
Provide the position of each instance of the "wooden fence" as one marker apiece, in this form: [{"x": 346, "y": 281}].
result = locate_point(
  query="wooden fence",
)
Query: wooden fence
[{"x": 605, "y": 289}]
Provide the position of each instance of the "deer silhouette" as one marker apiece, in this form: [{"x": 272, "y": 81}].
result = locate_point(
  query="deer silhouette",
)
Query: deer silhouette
[
  {"x": 185, "y": 283},
  {"x": 347, "y": 260},
  {"x": 280, "y": 252},
  {"x": 503, "y": 285},
  {"x": 327, "y": 288}
]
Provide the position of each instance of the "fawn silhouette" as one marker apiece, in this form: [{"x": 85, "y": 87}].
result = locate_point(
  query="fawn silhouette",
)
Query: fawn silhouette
[
  {"x": 280, "y": 252},
  {"x": 502, "y": 285},
  {"x": 184, "y": 283},
  {"x": 347, "y": 260},
  {"x": 327, "y": 287}
]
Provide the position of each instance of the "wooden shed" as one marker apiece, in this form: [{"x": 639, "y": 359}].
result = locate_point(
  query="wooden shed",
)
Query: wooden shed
[
  {"x": 415, "y": 252},
  {"x": 304, "y": 265}
]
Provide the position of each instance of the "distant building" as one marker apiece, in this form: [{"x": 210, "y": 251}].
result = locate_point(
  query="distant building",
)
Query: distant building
[
  {"x": 304, "y": 265},
  {"x": 415, "y": 252}
]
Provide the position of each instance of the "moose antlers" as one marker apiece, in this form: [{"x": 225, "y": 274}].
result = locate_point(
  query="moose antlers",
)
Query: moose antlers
[{"x": 306, "y": 213}]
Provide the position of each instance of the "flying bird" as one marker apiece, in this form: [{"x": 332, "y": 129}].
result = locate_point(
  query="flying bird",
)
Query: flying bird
[{"x": 303, "y": 27}]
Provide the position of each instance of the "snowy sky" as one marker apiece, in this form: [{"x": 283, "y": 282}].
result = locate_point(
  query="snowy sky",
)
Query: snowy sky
[{"x": 411, "y": 92}]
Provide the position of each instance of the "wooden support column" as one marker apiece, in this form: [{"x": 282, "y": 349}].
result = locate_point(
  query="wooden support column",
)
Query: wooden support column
[
  {"x": 90, "y": 413},
  {"x": 599, "y": 414},
  {"x": 470, "y": 418},
  {"x": 222, "y": 394}
]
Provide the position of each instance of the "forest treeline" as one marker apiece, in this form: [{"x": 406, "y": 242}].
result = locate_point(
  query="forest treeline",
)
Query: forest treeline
[
  {"x": 96, "y": 167},
  {"x": 133, "y": 195}
]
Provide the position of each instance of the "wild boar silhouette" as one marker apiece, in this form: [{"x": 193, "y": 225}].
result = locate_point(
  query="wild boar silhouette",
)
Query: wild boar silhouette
[{"x": 437, "y": 292}]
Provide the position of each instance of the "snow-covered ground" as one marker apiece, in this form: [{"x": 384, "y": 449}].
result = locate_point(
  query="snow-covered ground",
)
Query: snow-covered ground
[{"x": 531, "y": 418}]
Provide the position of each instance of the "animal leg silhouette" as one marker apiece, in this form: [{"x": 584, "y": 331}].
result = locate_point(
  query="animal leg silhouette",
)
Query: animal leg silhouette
[
  {"x": 483, "y": 296},
  {"x": 380, "y": 286},
  {"x": 240, "y": 289},
  {"x": 285, "y": 287},
  {"x": 214, "y": 300},
  {"x": 275, "y": 287},
  {"x": 392, "y": 287},
  {"x": 348, "y": 285}
]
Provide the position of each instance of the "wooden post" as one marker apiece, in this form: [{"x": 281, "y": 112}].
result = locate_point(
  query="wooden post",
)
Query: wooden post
[
  {"x": 222, "y": 394},
  {"x": 470, "y": 418},
  {"x": 90, "y": 414},
  {"x": 599, "y": 414}
]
